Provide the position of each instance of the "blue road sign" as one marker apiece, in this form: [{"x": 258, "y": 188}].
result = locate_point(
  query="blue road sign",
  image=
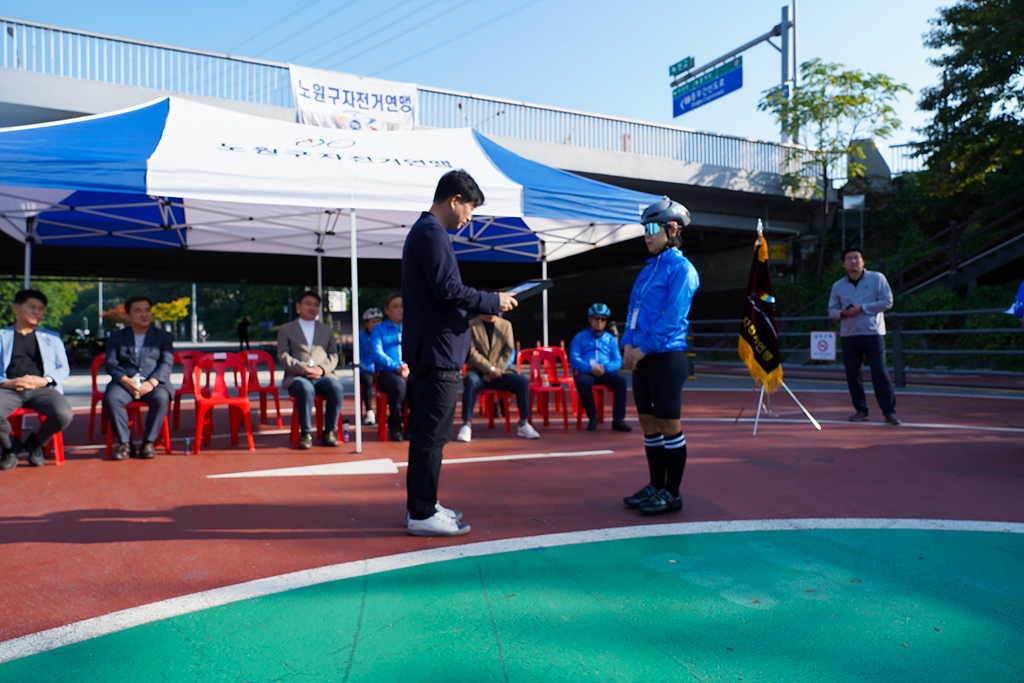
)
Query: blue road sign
[{"x": 708, "y": 92}]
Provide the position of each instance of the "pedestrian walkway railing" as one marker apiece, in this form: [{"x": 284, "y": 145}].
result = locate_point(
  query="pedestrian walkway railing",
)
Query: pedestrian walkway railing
[
  {"x": 902, "y": 159},
  {"x": 960, "y": 339},
  {"x": 47, "y": 49}
]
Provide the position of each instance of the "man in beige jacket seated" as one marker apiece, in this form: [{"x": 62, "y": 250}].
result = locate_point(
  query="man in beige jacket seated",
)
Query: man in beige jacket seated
[
  {"x": 491, "y": 347},
  {"x": 309, "y": 355}
]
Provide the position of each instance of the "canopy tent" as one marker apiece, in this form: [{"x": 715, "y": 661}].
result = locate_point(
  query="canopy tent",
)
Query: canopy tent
[{"x": 176, "y": 174}]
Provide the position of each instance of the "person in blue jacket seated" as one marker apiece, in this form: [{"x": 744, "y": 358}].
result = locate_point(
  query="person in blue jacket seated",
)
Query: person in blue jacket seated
[
  {"x": 34, "y": 365},
  {"x": 139, "y": 361},
  {"x": 392, "y": 371},
  {"x": 367, "y": 368},
  {"x": 594, "y": 354},
  {"x": 654, "y": 348}
]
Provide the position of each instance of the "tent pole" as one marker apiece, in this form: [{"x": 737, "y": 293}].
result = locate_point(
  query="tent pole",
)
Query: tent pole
[
  {"x": 30, "y": 237},
  {"x": 544, "y": 294},
  {"x": 195, "y": 316},
  {"x": 99, "y": 314},
  {"x": 358, "y": 426},
  {"x": 320, "y": 279}
]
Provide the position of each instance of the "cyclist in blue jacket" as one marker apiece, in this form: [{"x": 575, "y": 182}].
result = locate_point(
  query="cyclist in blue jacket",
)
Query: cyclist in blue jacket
[
  {"x": 655, "y": 350},
  {"x": 367, "y": 368},
  {"x": 594, "y": 354},
  {"x": 392, "y": 371}
]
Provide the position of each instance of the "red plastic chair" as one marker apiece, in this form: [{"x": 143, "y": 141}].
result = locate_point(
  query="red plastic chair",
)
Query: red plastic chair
[
  {"x": 135, "y": 420},
  {"x": 598, "y": 401},
  {"x": 238, "y": 405},
  {"x": 544, "y": 382},
  {"x": 253, "y": 359},
  {"x": 382, "y": 413},
  {"x": 54, "y": 449},
  {"x": 187, "y": 360},
  {"x": 97, "y": 398},
  {"x": 565, "y": 375}
]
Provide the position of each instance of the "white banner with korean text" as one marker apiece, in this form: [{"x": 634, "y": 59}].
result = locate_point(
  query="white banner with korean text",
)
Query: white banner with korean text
[{"x": 337, "y": 100}]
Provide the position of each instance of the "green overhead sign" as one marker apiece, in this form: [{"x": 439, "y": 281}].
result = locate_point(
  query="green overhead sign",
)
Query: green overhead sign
[
  {"x": 708, "y": 76},
  {"x": 680, "y": 67}
]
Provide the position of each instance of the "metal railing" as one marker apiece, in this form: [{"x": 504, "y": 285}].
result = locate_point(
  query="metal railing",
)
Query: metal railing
[
  {"x": 898, "y": 339},
  {"x": 61, "y": 51},
  {"x": 902, "y": 161}
]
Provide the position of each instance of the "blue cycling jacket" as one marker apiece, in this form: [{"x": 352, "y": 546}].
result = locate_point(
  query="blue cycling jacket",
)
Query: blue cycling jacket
[
  {"x": 586, "y": 350},
  {"x": 660, "y": 304},
  {"x": 366, "y": 354},
  {"x": 386, "y": 342}
]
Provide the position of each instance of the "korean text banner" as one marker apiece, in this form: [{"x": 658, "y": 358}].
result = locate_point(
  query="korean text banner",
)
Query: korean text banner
[
  {"x": 337, "y": 100},
  {"x": 759, "y": 338}
]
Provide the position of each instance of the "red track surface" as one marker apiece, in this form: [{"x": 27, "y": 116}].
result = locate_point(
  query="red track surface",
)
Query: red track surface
[{"x": 95, "y": 536}]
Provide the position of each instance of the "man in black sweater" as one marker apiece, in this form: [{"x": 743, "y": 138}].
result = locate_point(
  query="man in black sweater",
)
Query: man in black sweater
[{"x": 435, "y": 344}]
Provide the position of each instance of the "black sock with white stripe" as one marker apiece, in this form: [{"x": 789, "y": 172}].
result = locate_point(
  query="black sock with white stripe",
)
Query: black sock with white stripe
[
  {"x": 675, "y": 462},
  {"x": 654, "y": 444}
]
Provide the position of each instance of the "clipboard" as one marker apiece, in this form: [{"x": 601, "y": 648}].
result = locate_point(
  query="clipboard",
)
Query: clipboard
[{"x": 527, "y": 289}]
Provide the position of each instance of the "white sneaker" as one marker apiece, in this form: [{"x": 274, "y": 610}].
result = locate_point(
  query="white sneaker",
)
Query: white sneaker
[
  {"x": 454, "y": 514},
  {"x": 527, "y": 431},
  {"x": 465, "y": 433},
  {"x": 370, "y": 418},
  {"x": 439, "y": 524}
]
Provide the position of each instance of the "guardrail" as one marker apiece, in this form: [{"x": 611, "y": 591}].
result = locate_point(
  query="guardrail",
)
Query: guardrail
[
  {"x": 109, "y": 59},
  {"x": 897, "y": 337},
  {"x": 902, "y": 161}
]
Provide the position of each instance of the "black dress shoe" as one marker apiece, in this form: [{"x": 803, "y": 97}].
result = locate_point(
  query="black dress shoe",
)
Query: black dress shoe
[
  {"x": 330, "y": 438},
  {"x": 306, "y": 441},
  {"x": 9, "y": 459},
  {"x": 661, "y": 503},
  {"x": 394, "y": 435},
  {"x": 123, "y": 452},
  {"x": 592, "y": 426},
  {"x": 639, "y": 497},
  {"x": 35, "y": 451},
  {"x": 621, "y": 426},
  {"x": 148, "y": 451}
]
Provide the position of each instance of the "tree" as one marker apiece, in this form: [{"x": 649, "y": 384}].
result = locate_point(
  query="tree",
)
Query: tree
[
  {"x": 62, "y": 296},
  {"x": 172, "y": 311},
  {"x": 832, "y": 108},
  {"x": 977, "y": 132}
]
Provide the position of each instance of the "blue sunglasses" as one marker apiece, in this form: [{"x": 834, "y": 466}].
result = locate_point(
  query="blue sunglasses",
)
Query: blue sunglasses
[{"x": 652, "y": 228}]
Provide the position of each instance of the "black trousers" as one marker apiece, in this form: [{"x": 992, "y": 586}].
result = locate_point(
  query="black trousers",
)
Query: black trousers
[
  {"x": 432, "y": 396},
  {"x": 392, "y": 384},
  {"x": 366, "y": 383},
  {"x": 871, "y": 346},
  {"x": 47, "y": 400},
  {"x": 115, "y": 404},
  {"x": 613, "y": 380}
]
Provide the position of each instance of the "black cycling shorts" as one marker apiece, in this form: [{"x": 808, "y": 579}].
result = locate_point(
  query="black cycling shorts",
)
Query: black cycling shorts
[{"x": 658, "y": 384}]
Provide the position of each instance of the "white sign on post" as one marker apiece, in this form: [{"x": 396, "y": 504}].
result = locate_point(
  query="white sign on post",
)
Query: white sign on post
[
  {"x": 337, "y": 100},
  {"x": 823, "y": 345}
]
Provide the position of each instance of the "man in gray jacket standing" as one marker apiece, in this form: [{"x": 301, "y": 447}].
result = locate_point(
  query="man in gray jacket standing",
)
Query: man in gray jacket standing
[{"x": 858, "y": 302}]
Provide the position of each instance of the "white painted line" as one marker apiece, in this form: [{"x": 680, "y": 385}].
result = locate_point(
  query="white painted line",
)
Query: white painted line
[
  {"x": 524, "y": 456},
  {"x": 379, "y": 466},
  {"x": 187, "y": 604}
]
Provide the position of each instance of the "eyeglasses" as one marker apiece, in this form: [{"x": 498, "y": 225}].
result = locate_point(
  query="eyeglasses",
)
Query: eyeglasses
[
  {"x": 600, "y": 318},
  {"x": 652, "y": 228}
]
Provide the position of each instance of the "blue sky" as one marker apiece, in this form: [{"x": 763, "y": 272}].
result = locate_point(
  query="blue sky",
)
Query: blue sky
[{"x": 589, "y": 55}]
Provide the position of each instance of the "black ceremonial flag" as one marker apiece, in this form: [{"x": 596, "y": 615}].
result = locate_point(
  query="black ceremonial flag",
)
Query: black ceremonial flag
[{"x": 759, "y": 338}]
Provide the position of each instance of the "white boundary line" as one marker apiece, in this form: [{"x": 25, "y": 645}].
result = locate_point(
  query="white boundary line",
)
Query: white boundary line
[{"x": 186, "y": 604}]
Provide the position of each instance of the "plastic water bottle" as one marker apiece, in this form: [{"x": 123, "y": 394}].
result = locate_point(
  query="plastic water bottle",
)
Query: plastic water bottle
[
  {"x": 188, "y": 445},
  {"x": 344, "y": 431}
]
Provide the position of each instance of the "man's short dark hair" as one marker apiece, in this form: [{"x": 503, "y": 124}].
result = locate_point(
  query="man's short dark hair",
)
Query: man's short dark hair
[
  {"x": 458, "y": 183},
  {"x": 856, "y": 249},
  {"x": 26, "y": 294},
  {"x": 132, "y": 300},
  {"x": 305, "y": 294},
  {"x": 392, "y": 297}
]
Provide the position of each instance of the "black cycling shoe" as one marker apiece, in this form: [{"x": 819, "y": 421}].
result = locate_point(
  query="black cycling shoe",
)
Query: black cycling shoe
[
  {"x": 639, "y": 497},
  {"x": 661, "y": 503}
]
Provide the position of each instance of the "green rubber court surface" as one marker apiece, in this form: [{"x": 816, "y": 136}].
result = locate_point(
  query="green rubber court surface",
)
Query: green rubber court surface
[{"x": 812, "y": 604}]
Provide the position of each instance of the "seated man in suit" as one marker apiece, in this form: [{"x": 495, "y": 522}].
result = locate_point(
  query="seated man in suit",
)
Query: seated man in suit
[
  {"x": 33, "y": 367},
  {"x": 139, "y": 361},
  {"x": 490, "y": 350},
  {"x": 594, "y": 354},
  {"x": 392, "y": 371},
  {"x": 309, "y": 355}
]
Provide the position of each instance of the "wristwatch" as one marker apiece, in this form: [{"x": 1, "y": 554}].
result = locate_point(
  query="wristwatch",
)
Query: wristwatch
[{"x": 50, "y": 382}]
